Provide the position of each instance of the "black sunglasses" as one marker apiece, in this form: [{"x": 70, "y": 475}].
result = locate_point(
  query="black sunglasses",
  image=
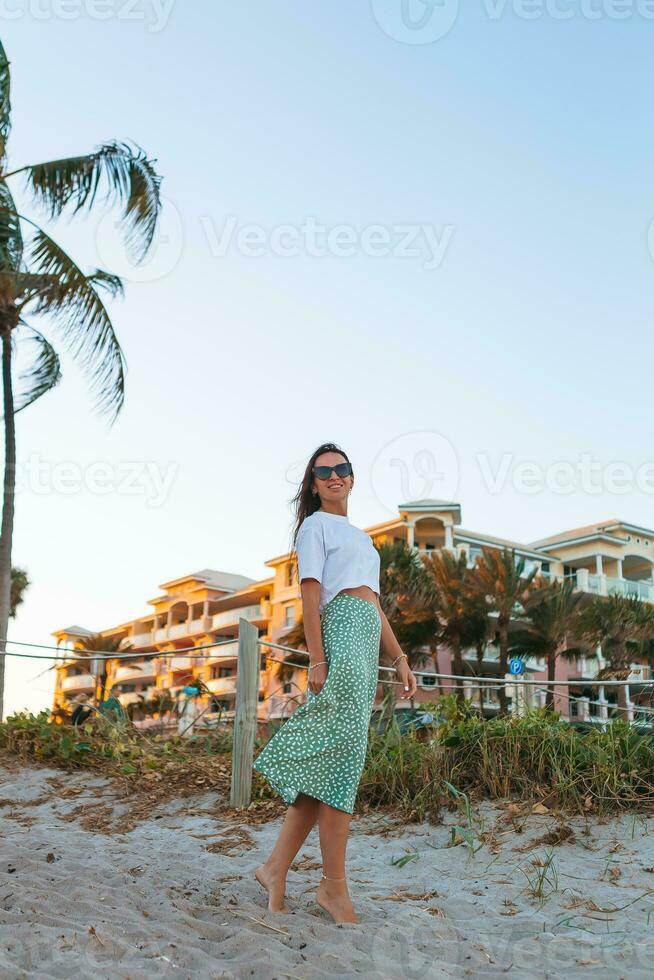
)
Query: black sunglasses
[{"x": 324, "y": 472}]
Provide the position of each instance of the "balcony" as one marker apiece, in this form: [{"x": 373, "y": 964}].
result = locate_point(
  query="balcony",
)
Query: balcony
[
  {"x": 222, "y": 685},
  {"x": 141, "y": 639},
  {"x": 180, "y": 663},
  {"x": 623, "y": 586},
  {"x": 78, "y": 682},
  {"x": 200, "y": 625},
  {"x": 594, "y": 584},
  {"x": 228, "y": 651},
  {"x": 135, "y": 673},
  {"x": 232, "y": 616}
]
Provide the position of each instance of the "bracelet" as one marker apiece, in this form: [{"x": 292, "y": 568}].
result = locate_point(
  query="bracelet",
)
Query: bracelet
[
  {"x": 399, "y": 658},
  {"x": 318, "y": 664}
]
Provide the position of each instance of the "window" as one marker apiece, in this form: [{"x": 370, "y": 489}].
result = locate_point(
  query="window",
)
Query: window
[
  {"x": 287, "y": 687},
  {"x": 289, "y": 615},
  {"x": 290, "y": 573}
]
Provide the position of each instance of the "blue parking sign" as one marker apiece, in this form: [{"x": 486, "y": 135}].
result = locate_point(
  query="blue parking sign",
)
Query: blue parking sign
[{"x": 516, "y": 666}]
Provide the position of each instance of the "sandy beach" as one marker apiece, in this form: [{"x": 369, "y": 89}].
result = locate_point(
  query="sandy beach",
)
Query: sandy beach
[{"x": 86, "y": 890}]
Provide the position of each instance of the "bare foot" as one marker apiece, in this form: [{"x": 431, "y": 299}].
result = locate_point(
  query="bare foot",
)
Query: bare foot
[
  {"x": 333, "y": 897},
  {"x": 275, "y": 884}
]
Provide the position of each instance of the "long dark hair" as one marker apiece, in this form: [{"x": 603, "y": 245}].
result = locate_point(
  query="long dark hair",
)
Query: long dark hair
[{"x": 305, "y": 502}]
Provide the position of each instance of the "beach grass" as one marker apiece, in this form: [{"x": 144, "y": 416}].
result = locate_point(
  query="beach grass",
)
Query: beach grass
[
  {"x": 537, "y": 758},
  {"x": 455, "y": 763}
]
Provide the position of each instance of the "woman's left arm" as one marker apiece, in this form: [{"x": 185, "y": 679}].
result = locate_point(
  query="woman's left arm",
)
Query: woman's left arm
[{"x": 391, "y": 650}]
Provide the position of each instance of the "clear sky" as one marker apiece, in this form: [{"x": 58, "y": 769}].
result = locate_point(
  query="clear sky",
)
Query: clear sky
[{"x": 431, "y": 249}]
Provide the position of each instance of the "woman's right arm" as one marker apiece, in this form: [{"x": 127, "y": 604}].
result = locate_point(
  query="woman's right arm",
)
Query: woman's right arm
[
  {"x": 311, "y": 557},
  {"x": 310, "y": 589}
]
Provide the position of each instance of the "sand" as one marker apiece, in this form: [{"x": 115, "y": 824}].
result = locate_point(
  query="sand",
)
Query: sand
[{"x": 174, "y": 897}]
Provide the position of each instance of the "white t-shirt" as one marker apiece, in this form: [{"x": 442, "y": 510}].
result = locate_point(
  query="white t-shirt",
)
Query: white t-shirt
[{"x": 336, "y": 553}]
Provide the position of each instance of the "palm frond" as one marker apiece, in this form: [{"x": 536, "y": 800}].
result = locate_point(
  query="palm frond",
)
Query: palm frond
[
  {"x": 20, "y": 583},
  {"x": 124, "y": 176},
  {"x": 72, "y": 299},
  {"x": 44, "y": 371},
  {"x": 11, "y": 238},
  {"x": 5, "y": 104}
]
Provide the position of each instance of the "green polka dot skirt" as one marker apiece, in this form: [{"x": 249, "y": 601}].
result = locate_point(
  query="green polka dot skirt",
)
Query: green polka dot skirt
[{"x": 320, "y": 750}]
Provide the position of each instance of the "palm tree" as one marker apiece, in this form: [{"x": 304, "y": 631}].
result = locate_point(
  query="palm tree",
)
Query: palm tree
[
  {"x": 502, "y": 580},
  {"x": 551, "y": 617},
  {"x": 403, "y": 585},
  {"x": 450, "y": 601},
  {"x": 476, "y": 634},
  {"x": 622, "y": 626},
  {"x": 104, "y": 645},
  {"x": 294, "y": 637},
  {"x": 39, "y": 278},
  {"x": 19, "y": 585}
]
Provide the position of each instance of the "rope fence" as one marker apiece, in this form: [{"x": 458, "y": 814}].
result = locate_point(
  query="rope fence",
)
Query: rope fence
[
  {"x": 250, "y": 649},
  {"x": 68, "y": 656}
]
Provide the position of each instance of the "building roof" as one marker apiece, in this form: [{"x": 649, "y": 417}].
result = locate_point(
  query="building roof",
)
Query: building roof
[
  {"x": 475, "y": 536},
  {"x": 587, "y": 530},
  {"x": 76, "y": 631},
  {"x": 429, "y": 503},
  {"x": 225, "y": 581}
]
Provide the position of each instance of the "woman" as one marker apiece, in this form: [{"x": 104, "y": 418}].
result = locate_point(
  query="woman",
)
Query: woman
[{"x": 316, "y": 759}]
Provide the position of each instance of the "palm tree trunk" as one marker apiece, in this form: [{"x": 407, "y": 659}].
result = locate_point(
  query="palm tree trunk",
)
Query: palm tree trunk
[
  {"x": 480, "y": 673},
  {"x": 622, "y": 660},
  {"x": 457, "y": 661},
  {"x": 551, "y": 673},
  {"x": 503, "y": 629},
  {"x": 7, "y": 525},
  {"x": 434, "y": 654}
]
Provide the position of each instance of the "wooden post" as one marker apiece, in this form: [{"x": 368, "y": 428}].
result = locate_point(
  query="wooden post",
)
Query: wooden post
[{"x": 245, "y": 721}]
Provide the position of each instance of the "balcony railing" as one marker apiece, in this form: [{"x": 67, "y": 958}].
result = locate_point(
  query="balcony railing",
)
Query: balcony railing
[
  {"x": 226, "y": 651},
  {"x": 232, "y": 616},
  {"x": 222, "y": 685},
  {"x": 200, "y": 625},
  {"x": 585, "y": 581},
  {"x": 141, "y": 639},
  {"x": 78, "y": 682},
  {"x": 181, "y": 663},
  {"x": 144, "y": 671},
  {"x": 624, "y": 586}
]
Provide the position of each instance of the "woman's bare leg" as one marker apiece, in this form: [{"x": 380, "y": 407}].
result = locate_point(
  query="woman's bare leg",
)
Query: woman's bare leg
[
  {"x": 332, "y": 895},
  {"x": 300, "y": 818}
]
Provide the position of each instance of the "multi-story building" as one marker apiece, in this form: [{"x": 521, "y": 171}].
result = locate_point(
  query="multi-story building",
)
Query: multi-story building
[{"x": 203, "y": 608}]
